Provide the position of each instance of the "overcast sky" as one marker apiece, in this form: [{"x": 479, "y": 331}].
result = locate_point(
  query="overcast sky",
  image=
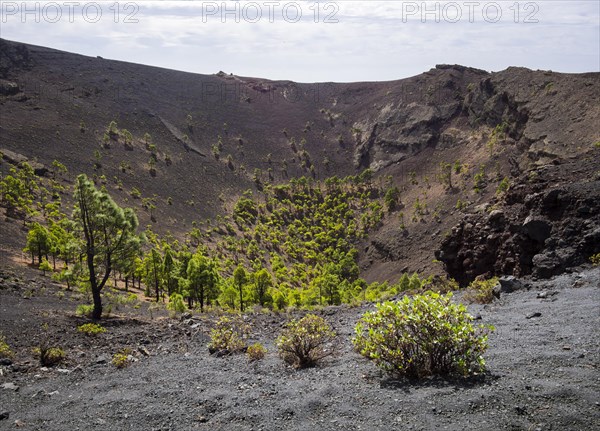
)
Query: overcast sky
[{"x": 344, "y": 41}]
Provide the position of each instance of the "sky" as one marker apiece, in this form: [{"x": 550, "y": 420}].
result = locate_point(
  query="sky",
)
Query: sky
[{"x": 309, "y": 41}]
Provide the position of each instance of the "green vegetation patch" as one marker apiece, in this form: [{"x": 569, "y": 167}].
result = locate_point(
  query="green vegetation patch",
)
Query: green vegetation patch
[{"x": 421, "y": 336}]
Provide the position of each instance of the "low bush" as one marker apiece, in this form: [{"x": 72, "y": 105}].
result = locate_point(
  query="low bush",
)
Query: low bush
[
  {"x": 422, "y": 336},
  {"x": 229, "y": 335},
  {"x": 84, "y": 310},
  {"x": 122, "y": 359},
  {"x": 256, "y": 352},
  {"x": 131, "y": 299},
  {"x": 91, "y": 329},
  {"x": 443, "y": 284},
  {"x": 306, "y": 341},
  {"x": 176, "y": 303},
  {"x": 481, "y": 291},
  {"x": 50, "y": 356},
  {"x": 595, "y": 259},
  {"x": 5, "y": 351}
]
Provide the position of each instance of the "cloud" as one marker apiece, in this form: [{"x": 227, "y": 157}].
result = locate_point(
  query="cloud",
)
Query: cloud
[{"x": 375, "y": 40}]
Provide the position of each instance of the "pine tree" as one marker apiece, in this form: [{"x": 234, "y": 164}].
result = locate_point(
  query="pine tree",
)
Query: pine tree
[
  {"x": 203, "y": 277},
  {"x": 262, "y": 282},
  {"x": 240, "y": 278},
  {"x": 153, "y": 271},
  {"x": 38, "y": 242},
  {"x": 168, "y": 268},
  {"x": 107, "y": 232}
]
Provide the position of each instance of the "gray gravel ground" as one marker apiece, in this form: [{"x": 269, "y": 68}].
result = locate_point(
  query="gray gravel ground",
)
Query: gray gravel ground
[{"x": 543, "y": 375}]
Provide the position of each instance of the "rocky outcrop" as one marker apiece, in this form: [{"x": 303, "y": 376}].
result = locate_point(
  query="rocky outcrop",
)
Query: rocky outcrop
[
  {"x": 16, "y": 159},
  {"x": 537, "y": 230},
  {"x": 415, "y": 119}
]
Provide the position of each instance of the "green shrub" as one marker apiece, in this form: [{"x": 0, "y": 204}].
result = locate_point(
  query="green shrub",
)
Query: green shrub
[
  {"x": 457, "y": 167},
  {"x": 503, "y": 186},
  {"x": 595, "y": 259},
  {"x": 122, "y": 359},
  {"x": 84, "y": 310},
  {"x": 50, "y": 356},
  {"x": 460, "y": 205},
  {"x": 135, "y": 193},
  {"x": 256, "y": 352},
  {"x": 91, "y": 329},
  {"x": 391, "y": 198},
  {"x": 479, "y": 182},
  {"x": 176, "y": 303},
  {"x": 421, "y": 336},
  {"x": 5, "y": 351},
  {"x": 481, "y": 291},
  {"x": 306, "y": 341},
  {"x": 131, "y": 299},
  {"x": 229, "y": 335},
  {"x": 443, "y": 285},
  {"x": 45, "y": 266}
]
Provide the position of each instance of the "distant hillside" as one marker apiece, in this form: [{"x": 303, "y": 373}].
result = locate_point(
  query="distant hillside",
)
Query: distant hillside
[{"x": 215, "y": 136}]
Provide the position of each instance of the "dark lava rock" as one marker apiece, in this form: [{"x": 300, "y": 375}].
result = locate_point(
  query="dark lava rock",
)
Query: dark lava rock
[
  {"x": 4, "y": 415},
  {"x": 8, "y": 88},
  {"x": 496, "y": 218},
  {"x": 537, "y": 229},
  {"x": 545, "y": 264},
  {"x": 510, "y": 284}
]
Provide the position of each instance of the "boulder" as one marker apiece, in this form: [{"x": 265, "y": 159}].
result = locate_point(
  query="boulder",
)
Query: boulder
[
  {"x": 545, "y": 265},
  {"x": 510, "y": 284},
  {"x": 497, "y": 219},
  {"x": 537, "y": 229},
  {"x": 8, "y": 88}
]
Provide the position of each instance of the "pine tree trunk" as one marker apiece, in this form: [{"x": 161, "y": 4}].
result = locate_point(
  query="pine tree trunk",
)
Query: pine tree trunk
[{"x": 97, "y": 313}]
